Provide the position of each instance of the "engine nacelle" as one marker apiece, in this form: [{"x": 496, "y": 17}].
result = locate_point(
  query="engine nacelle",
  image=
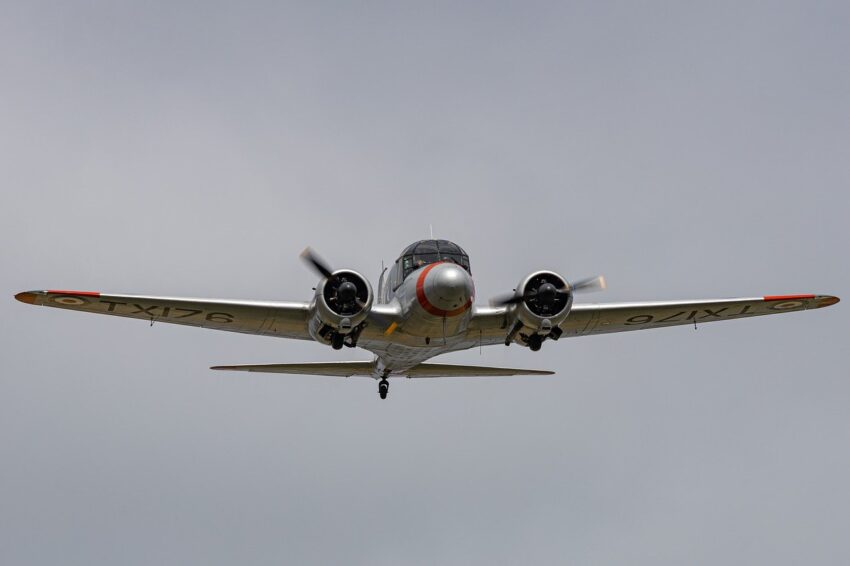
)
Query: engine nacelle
[
  {"x": 340, "y": 307},
  {"x": 546, "y": 303}
]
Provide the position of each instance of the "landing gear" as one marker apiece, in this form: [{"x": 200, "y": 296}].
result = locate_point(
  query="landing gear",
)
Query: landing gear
[
  {"x": 337, "y": 340},
  {"x": 383, "y": 388},
  {"x": 535, "y": 341}
]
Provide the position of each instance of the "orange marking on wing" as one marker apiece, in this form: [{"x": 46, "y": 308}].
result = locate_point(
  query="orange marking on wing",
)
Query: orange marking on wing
[
  {"x": 79, "y": 293},
  {"x": 391, "y": 329},
  {"x": 787, "y": 297}
]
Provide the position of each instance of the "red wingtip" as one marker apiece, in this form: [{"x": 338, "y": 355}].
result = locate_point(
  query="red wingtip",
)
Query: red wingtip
[
  {"x": 787, "y": 297},
  {"x": 80, "y": 293}
]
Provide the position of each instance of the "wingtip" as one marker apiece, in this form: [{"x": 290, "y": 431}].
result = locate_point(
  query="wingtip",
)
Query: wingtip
[
  {"x": 827, "y": 301},
  {"x": 28, "y": 297}
]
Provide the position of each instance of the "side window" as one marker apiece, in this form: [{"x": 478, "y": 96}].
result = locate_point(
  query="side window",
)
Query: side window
[
  {"x": 406, "y": 268},
  {"x": 397, "y": 275}
]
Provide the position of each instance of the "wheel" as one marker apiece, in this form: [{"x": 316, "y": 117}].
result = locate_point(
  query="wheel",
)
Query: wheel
[
  {"x": 535, "y": 342},
  {"x": 337, "y": 341},
  {"x": 383, "y": 388}
]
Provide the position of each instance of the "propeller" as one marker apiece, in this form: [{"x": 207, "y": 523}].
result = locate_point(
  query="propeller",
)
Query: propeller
[
  {"x": 589, "y": 285},
  {"x": 546, "y": 293},
  {"x": 343, "y": 292},
  {"x": 319, "y": 265}
]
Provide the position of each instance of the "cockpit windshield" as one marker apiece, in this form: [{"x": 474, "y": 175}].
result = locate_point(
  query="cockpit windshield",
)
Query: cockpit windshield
[{"x": 425, "y": 252}]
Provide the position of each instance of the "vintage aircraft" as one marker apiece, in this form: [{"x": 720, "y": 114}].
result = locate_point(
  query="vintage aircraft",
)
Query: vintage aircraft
[{"x": 424, "y": 307}]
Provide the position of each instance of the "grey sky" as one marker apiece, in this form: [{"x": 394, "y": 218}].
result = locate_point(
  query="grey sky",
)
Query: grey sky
[{"x": 194, "y": 148}]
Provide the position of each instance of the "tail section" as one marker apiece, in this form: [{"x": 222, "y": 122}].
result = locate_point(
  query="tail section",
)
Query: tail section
[{"x": 349, "y": 369}]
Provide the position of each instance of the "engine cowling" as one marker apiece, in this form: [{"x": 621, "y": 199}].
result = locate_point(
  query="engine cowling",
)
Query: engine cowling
[
  {"x": 340, "y": 306},
  {"x": 546, "y": 303}
]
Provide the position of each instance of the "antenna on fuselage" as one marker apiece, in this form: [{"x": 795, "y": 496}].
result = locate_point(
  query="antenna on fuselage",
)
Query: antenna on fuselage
[{"x": 431, "y": 229}]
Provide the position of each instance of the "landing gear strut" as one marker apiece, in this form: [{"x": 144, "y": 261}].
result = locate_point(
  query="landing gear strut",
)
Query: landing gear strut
[{"x": 383, "y": 388}]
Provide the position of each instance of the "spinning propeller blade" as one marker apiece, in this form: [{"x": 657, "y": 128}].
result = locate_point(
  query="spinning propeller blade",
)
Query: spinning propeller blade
[
  {"x": 318, "y": 265},
  {"x": 589, "y": 285},
  {"x": 504, "y": 300}
]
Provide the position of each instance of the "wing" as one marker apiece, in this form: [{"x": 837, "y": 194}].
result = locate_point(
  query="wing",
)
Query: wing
[
  {"x": 287, "y": 320},
  {"x": 489, "y": 325},
  {"x": 622, "y": 317}
]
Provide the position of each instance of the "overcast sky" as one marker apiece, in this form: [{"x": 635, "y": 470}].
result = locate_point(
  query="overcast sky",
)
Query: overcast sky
[{"x": 195, "y": 148}]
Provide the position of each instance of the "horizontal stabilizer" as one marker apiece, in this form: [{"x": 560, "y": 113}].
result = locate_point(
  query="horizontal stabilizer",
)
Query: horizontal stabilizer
[
  {"x": 348, "y": 369},
  {"x": 336, "y": 369},
  {"x": 451, "y": 370}
]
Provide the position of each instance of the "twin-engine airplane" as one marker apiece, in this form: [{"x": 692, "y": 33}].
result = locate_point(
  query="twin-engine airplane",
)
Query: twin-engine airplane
[{"x": 424, "y": 307}]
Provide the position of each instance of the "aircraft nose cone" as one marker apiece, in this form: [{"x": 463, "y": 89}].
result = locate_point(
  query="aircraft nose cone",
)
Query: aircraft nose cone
[{"x": 448, "y": 287}]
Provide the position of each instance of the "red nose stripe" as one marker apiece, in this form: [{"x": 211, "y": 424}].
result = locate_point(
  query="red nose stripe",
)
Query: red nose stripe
[
  {"x": 787, "y": 297},
  {"x": 426, "y": 304},
  {"x": 80, "y": 293}
]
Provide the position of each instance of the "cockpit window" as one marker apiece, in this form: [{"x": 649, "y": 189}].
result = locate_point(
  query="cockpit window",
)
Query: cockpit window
[{"x": 426, "y": 252}]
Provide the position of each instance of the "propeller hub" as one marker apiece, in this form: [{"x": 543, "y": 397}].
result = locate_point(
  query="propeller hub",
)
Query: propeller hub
[
  {"x": 347, "y": 292},
  {"x": 547, "y": 293}
]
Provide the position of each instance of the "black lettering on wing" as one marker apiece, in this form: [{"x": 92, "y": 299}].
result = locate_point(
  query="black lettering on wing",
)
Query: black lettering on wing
[
  {"x": 219, "y": 317},
  {"x": 146, "y": 310},
  {"x": 639, "y": 319},
  {"x": 189, "y": 312},
  {"x": 671, "y": 318},
  {"x": 112, "y": 305}
]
